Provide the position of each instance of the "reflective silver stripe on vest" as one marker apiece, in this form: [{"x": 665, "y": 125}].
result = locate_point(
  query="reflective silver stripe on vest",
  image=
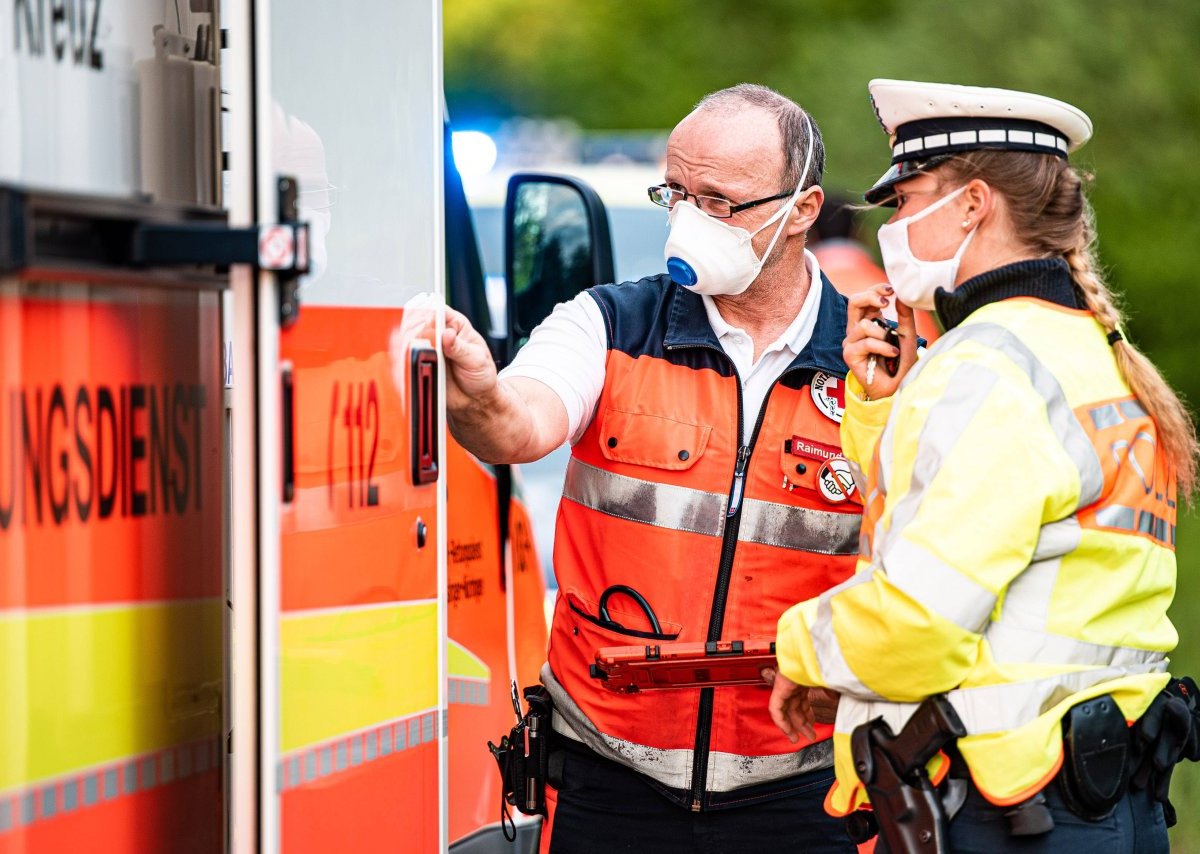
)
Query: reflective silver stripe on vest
[
  {"x": 994, "y": 708},
  {"x": 1112, "y": 414},
  {"x": 800, "y": 528},
  {"x": 1066, "y": 426},
  {"x": 1058, "y": 538},
  {"x": 835, "y": 670},
  {"x": 658, "y": 504},
  {"x": 1014, "y": 644},
  {"x": 1027, "y": 599},
  {"x": 938, "y": 586},
  {"x": 1020, "y": 635},
  {"x": 1117, "y": 516},
  {"x": 673, "y": 768},
  {"x": 947, "y": 420},
  {"x": 1140, "y": 521}
]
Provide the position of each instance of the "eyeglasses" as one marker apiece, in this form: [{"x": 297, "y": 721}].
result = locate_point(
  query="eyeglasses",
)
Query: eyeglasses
[{"x": 666, "y": 197}]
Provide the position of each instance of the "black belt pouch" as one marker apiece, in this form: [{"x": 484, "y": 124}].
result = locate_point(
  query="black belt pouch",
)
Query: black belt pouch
[{"x": 1096, "y": 766}]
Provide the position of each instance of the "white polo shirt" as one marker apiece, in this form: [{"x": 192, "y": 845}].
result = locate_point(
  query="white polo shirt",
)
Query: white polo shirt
[{"x": 569, "y": 349}]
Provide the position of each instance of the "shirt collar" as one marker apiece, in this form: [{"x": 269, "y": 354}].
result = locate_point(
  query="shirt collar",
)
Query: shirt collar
[
  {"x": 799, "y": 331},
  {"x": 688, "y": 324}
]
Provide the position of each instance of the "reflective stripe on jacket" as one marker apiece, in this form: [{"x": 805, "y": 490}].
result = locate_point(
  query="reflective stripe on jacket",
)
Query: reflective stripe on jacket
[
  {"x": 652, "y": 500},
  {"x": 1018, "y": 548}
]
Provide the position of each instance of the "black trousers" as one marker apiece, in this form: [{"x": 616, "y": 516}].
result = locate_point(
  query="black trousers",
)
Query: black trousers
[
  {"x": 1136, "y": 826},
  {"x": 604, "y": 807}
]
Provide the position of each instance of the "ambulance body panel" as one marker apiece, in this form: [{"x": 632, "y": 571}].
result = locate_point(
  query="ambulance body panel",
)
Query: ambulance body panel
[{"x": 253, "y": 596}]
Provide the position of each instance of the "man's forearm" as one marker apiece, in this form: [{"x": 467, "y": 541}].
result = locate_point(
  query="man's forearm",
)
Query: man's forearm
[{"x": 498, "y": 427}]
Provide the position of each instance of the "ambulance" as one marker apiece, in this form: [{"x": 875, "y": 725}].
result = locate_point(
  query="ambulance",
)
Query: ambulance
[{"x": 253, "y": 596}]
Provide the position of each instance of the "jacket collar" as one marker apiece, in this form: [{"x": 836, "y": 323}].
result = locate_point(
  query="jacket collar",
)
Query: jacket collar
[
  {"x": 688, "y": 327},
  {"x": 1046, "y": 279}
]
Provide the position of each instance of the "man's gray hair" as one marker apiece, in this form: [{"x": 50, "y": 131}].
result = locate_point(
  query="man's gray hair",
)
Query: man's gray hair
[{"x": 792, "y": 128}]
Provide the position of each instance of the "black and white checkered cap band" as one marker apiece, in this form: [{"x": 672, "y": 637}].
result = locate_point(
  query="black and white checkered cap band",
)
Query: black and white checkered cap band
[{"x": 924, "y": 139}]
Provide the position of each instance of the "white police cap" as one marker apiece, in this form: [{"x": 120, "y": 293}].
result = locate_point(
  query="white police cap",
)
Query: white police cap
[{"x": 928, "y": 122}]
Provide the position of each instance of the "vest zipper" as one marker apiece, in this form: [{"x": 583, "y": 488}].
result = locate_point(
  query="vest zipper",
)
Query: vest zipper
[
  {"x": 739, "y": 481},
  {"x": 716, "y": 620}
]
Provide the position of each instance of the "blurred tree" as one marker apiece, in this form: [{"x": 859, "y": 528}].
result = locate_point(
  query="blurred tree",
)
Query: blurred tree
[
  {"x": 616, "y": 64},
  {"x": 1131, "y": 66}
]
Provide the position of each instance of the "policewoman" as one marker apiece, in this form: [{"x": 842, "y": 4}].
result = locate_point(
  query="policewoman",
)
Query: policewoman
[{"x": 1021, "y": 481}]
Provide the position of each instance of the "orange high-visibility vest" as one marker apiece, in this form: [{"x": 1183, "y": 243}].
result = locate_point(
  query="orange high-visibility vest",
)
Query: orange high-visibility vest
[{"x": 719, "y": 526}]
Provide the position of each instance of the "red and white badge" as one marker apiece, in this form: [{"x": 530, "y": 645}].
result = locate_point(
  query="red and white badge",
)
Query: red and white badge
[
  {"x": 835, "y": 480},
  {"x": 829, "y": 394}
]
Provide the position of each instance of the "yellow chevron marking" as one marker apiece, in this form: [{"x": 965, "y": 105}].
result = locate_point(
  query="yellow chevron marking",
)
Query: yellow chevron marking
[{"x": 460, "y": 661}]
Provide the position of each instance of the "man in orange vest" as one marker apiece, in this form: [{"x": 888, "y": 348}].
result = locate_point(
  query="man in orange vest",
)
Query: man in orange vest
[{"x": 706, "y": 490}]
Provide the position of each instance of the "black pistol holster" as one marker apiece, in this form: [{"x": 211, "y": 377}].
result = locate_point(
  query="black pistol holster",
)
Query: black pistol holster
[
  {"x": 522, "y": 756},
  {"x": 907, "y": 809}
]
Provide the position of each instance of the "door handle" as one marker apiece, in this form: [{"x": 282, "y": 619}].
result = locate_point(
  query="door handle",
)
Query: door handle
[
  {"x": 424, "y": 404},
  {"x": 287, "y": 399}
]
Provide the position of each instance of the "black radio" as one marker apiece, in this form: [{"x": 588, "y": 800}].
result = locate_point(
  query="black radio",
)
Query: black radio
[{"x": 522, "y": 756}]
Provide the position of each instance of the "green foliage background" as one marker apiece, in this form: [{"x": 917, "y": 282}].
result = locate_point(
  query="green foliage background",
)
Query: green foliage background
[{"x": 1132, "y": 66}]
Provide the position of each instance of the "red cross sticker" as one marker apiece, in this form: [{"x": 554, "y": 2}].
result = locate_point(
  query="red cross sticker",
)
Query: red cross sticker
[
  {"x": 829, "y": 394},
  {"x": 836, "y": 390}
]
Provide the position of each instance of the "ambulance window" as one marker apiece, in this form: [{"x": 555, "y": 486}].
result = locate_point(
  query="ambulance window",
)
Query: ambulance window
[{"x": 360, "y": 128}]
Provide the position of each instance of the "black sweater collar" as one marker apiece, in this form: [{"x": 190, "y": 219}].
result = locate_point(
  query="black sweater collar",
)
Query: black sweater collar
[{"x": 1046, "y": 279}]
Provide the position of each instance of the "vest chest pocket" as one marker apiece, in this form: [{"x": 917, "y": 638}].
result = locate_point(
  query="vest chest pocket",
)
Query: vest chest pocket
[{"x": 652, "y": 440}]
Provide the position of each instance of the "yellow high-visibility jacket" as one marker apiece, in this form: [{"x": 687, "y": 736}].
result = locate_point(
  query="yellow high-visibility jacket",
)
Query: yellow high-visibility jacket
[{"x": 1017, "y": 550}]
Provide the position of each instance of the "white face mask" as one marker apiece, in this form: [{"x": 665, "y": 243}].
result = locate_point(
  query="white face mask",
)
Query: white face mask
[
  {"x": 710, "y": 257},
  {"x": 916, "y": 280}
]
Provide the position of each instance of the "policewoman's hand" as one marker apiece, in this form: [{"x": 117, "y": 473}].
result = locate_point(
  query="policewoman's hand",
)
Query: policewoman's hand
[
  {"x": 795, "y": 708},
  {"x": 471, "y": 373},
  {"x": 865, "y": 338}
]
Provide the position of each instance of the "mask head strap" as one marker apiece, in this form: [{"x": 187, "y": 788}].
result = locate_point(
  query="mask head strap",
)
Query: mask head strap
[{"x": 790, "y": 203}]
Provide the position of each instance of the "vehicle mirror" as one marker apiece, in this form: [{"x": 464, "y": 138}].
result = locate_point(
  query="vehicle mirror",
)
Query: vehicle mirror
[{"x": 557, "y": 243}]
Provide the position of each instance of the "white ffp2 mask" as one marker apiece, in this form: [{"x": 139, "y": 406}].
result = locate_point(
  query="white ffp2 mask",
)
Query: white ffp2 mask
[
  {"x": 710, "y": 257},
  {"x": 914, "y": 279}
]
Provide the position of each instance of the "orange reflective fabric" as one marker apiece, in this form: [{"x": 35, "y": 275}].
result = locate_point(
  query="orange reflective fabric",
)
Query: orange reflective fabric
[
  {"x": 671, "y": 425},
  {"x": 1139, "y": 482}
]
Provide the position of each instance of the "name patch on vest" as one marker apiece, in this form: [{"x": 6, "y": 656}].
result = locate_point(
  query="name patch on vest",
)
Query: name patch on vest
[
  {"x": 829, "y": 394},
  {"x": 798, "y": 446}
]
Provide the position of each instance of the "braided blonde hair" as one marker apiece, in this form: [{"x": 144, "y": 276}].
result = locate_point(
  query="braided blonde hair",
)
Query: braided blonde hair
[{"x": 1051, "y": 215}]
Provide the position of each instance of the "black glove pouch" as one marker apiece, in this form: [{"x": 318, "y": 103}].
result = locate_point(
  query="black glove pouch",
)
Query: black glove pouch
[
  {"x": 1096, "y": 761},
  {"x": 522, "y": 757},
  {"x": 1167, "y": 733}
]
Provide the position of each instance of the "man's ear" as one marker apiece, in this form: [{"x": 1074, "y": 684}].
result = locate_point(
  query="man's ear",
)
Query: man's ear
[{"x": 804, "y": 214}]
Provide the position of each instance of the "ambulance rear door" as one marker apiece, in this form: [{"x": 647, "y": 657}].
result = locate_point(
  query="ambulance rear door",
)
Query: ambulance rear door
[
  {"x": 352, "y": 591},
  {"x": 112, "y": 663}
]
